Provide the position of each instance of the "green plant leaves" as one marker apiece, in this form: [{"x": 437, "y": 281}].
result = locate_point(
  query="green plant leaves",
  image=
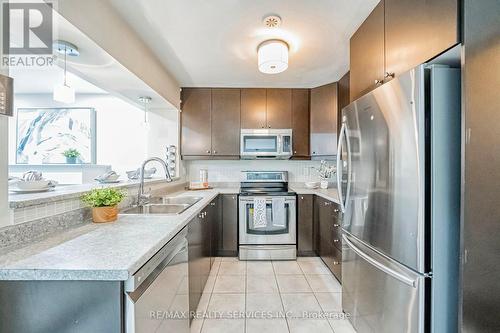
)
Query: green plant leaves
[
  {"x": 103, "y": 197},
  {"x": 71, "y": 153}
]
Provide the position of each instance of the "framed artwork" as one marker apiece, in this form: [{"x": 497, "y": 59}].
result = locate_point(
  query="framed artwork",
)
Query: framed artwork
[{"x": 43, "y": 134}]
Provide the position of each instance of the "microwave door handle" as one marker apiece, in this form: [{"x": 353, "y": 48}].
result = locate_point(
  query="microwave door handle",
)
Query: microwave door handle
[{"x": 279, "y": 145}]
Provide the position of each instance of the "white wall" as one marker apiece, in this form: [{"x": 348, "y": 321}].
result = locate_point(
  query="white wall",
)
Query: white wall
[
  {"x": 229, "y": 171},
  {"x": 122, "y": 140},
  {"x": 4, "y": 218},
  {"x": 103, "y": 24}
]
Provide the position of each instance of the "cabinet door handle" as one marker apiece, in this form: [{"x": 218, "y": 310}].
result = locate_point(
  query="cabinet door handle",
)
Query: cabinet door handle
[
  {"x": 336, "y": 210},
  {"x": 233, "y": 198},
  {"x": 389, "y": 75},
  {"x": 215, "y": 152},
  {"x": 295, "y": 152},
  {"x": 336, "y": 225},
  {"x": 301, "y": 198},
  {"x": 212, "y": 204},
  {"x": 335, "y": 240},
  {"x": 378, "y": 82},
  {"x": 208, "y": 151},
  {"x": 328, "y": 203},
  {"x": 268, "y": 126},
  {"x": 335, "y": 262}
]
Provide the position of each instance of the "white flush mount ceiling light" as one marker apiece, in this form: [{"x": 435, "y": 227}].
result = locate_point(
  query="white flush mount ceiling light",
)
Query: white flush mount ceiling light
[
  {"x": 64, "y": 93},
  {"x": 272, "y": 54}
]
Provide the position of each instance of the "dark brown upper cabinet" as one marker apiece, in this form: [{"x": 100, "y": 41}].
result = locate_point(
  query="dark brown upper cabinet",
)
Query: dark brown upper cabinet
[
  {"x": 253, "y": 108},
  {"x": 196, "y": 130},
  {"x": 210, "y": 123},
  {"x": 225, "y": 122},
  {"x": 416, "y": 31},
  {"x": 397, "y": 36},
  {"x": 300, "y": 123},
  {"x": 324, "y": 109},
  {"x": 279, "y": 108},
  {"x": 367, "y": 54},
  {"x": 266, "y": 108}
]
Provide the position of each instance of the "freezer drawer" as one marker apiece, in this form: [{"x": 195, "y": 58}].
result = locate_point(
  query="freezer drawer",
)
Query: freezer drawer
[{"x": 378, "y": 294}]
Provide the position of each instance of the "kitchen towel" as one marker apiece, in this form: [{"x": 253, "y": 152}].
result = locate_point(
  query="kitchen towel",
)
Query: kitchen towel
[
  {"x": 279, "y": 212},
  {"x": 259, "y": 212}
]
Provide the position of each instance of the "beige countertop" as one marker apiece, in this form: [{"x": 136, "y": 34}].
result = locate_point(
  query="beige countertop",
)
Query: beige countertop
[{"x": 329, "y": 193}]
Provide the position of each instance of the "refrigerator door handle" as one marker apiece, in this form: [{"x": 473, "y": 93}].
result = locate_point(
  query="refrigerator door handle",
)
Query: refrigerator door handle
[
  {"x": 397, "y": 275},
  {"x": 338, "y": 171}
]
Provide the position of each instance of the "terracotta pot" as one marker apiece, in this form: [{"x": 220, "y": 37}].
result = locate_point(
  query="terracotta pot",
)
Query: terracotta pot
[{"x": 104, "y": 214}]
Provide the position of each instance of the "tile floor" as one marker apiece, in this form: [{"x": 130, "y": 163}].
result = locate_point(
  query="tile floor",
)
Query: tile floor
[{"x": 278, "y": 297}]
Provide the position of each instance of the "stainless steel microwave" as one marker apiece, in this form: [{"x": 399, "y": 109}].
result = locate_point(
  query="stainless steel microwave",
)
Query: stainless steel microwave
[{"x": 266, "y": 143}]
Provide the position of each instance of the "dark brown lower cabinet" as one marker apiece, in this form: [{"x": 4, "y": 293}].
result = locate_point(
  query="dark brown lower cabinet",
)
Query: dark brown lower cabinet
[
  {"x": 329, "y": 232},
  {"x": 214, "y": 232},
  {"x": 214, "y": 213},
  {"x": 228, "y": 226},
  {"x": 305, "y": 225},
  {"x": 195, "y": 262},
  {"x": 200, "y": 252}
]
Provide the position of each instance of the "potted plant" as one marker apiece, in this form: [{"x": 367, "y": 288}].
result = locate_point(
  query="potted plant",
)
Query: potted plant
[
  {"x": 325, "y": 172},
  {"x": 104, "y": 203},
  {"x": 71, "y": 155}
]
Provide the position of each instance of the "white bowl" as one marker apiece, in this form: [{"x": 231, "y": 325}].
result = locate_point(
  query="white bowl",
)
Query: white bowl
[
  {"x": 33, "y": 185},
  {"x": 312, "y": 185},
  {"x": 113, "y": 178}
]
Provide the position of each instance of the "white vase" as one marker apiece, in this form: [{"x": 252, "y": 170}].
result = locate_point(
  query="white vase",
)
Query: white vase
[{"x": 323, "y": 184}]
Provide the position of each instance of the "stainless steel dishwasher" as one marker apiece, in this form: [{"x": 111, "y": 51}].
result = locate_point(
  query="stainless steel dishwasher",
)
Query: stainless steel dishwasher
[{"x": 156, "y": 296}]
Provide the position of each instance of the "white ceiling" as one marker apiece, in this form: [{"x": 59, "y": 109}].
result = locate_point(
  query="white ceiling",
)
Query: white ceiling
[
  {"x": 43, "y": 80},
  {"x": 214, "y": 43}
]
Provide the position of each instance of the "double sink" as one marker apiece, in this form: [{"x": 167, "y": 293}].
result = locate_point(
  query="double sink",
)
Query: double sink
[{"x": 163, "y": 206}]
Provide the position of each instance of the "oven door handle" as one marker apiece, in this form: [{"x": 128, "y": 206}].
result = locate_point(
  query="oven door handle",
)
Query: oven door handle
[{"x": 250, "y": 200}]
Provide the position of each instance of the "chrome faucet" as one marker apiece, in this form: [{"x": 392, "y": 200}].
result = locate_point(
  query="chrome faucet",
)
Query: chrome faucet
[{"x": 142, "y": 198}]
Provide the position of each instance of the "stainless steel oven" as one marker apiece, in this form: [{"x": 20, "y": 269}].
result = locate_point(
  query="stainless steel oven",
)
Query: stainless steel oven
[
  {"x": 266, "y": 143},
  {"x": 274, "y": 236}
]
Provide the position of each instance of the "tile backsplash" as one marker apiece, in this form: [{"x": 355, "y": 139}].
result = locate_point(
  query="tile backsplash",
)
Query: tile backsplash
[{"x": 229, "y": 171}]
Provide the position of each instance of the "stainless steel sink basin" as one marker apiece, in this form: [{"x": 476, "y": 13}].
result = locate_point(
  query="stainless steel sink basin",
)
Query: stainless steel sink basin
[
  {"x": 187, "y": 200},
  {"x": 163, "y": 206},
  {"x": 156, "y": 209},
  {"x": 181, "y": 200}
]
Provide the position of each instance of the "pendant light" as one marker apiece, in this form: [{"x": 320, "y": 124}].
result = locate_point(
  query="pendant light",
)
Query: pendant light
[
  {"x": 145, "y": 100},
  {"x": 64, "y": 93}
]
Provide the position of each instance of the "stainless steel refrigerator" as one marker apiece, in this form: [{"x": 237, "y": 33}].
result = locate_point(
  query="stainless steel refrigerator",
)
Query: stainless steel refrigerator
[{"x": 398, "y": 172}]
